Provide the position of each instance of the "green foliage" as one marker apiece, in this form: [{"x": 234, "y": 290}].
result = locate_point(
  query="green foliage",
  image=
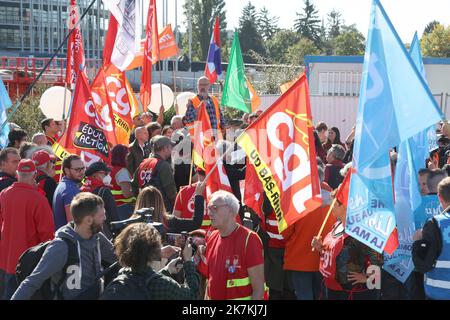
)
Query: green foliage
[
  {"x": 430, "y": 27},
  {"x": 249, "y": 37},
  {"x": 350, "y": 42},
  {"x": 437, "y": 43},
  {"x": 267, "y": 26},
  {"x": 29, "y": 116},
  {"x": 334, "y": 22},
  {"x": 307, "y": 23},
  {"x": 279, "y": 44},
  {"x": 296, "y": 54},
  {"x": 203, "y": 14}
]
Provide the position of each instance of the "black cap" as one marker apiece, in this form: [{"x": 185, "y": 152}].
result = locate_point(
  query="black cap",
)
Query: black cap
[{"x": 96, "y": 167}]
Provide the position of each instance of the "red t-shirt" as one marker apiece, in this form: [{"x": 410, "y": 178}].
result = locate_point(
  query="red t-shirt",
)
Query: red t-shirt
[
  {"x": 221, "y": 250},
  {"x": 185, "y": 201}
]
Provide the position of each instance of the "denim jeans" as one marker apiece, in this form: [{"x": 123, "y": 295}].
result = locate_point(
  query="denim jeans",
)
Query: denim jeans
[{"x": 307, "y": 285}]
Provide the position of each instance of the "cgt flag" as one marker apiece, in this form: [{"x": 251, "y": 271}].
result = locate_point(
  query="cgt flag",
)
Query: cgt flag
[
  {"x": 119, "y": 95},
  {"x": 86, "y": 132},
  {"x": 213, "y": 68},
  {"x": 280, "y": 147},
  {"x": 395, "y": 104},
  {"x": 75, "y": 52}
]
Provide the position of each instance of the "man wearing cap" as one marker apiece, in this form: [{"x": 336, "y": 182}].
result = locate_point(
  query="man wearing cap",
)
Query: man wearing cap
[
  {"x": 157, "y": 171},
  {"x": 25, "y": 220},
  {"x": 98, "y": 182},
  {"x": 211, "y": 104},
  {"x": 45, "y": 166}
]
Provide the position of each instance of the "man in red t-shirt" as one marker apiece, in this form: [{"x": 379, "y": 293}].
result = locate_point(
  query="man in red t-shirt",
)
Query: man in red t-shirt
[
  {"x": 184, "y": 203},
  {"x": 234, "y": 260},
  {"x": 26, "y": 220}
]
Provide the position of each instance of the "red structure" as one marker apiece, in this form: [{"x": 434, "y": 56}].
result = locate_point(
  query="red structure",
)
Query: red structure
[{"x": 19, "y": 72}]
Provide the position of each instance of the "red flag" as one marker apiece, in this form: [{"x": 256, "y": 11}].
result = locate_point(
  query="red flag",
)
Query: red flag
[
  {"x": 151, "y": 52},
  {"x": 121, "y": 98},
  {"x": 344, "y": 189},
  {"x": 280, "y": 145},
  {"x": 253, "y": 192},
  {"x": 204, "y": 147},
  {"x": 86, "y": 131},
  {"x": 103, "y": 104},
  {"x": 110, "y": 39},
  {"x": 75, "y": 53}
]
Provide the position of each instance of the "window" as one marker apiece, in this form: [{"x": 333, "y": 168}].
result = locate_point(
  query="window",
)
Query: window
[{"x": 339, "y": 83}]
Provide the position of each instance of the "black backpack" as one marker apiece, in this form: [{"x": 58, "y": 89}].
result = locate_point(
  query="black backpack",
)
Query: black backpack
[
  {"x": 425, "y": 253},
  {"x": 30, "y": 259},
  {"x": 130, "y": 286}
]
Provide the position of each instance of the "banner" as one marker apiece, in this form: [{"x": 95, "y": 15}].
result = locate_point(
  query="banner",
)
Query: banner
[
  {"x": 395, "y": 104},
  {"x": 213, "y": 67},
  {"x": 280, "y": 147},
  {"x": 110, "y": 39},
  {"x": 235, "y": 91},
  {"x": 151, "y": 53},
  {"x": 111, "y": 86},
  {"x": 254, "y": 192},
  {"x": 75, "y": 61},
  {"x": 127, "y": 42},
  {"x": 167, "y": 48},
  {"x": 86, "y": 131}
]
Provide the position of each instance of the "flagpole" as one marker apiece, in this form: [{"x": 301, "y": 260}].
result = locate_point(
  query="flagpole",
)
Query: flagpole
[
  {"x": 160, "y": 79},
  {"x": 30, "y": 87}
]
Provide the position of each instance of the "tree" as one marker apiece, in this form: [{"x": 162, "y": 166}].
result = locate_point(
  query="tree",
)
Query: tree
[
  {"x": 350, "y": 42},
  {"x": 430, "y": 27},
  {"x": 307, "y": 24},
  {"x": 437, "y": 43},
  {"x": 296, "y": 54},
  {"x": 249, "y": 37},
  {"x": 267, "y": 26},
  {"x": 334, "y": 24},
  {"x": 203, "y": 14},
  {"x": 279, "y": 43}
]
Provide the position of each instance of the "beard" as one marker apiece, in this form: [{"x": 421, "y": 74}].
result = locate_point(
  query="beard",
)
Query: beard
[{"x": 96, "y": 228}]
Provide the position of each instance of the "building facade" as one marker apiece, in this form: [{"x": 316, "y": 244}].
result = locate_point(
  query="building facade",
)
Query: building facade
[{"x": 37, "y": 27}]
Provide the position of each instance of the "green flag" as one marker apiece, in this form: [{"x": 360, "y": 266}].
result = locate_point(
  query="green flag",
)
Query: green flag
[{"x": 235, "y": 92}]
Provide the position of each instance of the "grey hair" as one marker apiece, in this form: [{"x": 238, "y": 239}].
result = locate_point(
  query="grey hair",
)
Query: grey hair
[
  {"x": 228, "y": 198},
  {"x": 176, "y": 118},
  {"x": 25, "y": 175},
  {"x": 36, "y": 135},
  {"x": 337, "y": 151}
]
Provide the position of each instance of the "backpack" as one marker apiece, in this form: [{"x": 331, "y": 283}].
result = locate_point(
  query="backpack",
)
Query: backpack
[
  {"x": 30, "y": 259},
  {"x": 130, "y": 286}
]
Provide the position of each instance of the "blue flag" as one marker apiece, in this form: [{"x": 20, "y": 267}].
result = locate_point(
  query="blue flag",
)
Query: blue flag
[
  {"x": 395, "y": 104},
  {"x": 5, "y": 103},
  {"x": 425, "y": 141}
]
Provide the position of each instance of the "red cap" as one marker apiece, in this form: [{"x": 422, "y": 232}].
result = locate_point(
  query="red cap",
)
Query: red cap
[
  {"x": 26, "y": 166},
  {"x": 42, "y": 157}
]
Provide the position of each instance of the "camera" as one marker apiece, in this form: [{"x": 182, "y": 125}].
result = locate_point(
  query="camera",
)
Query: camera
[{"x": 142, "y": 215}]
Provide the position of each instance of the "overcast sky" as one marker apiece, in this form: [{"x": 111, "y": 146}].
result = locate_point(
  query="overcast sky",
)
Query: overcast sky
[{"x": 406, "y": 15}]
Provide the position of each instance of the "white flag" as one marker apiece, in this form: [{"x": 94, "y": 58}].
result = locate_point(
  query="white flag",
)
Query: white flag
[{"x": 128, "y": 39}]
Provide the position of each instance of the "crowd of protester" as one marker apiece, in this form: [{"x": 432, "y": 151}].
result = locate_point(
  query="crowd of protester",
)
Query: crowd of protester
[{"x": 188, "y": 246}]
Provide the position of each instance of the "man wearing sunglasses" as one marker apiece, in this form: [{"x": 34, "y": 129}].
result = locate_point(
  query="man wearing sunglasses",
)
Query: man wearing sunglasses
[
  {"x": 73, "y": 169},
  {"x": 45, "y": 167}
]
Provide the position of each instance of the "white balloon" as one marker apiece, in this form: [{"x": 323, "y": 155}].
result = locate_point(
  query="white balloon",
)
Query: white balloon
[
  {"x": 181, "y": 101},
  {"x": 168, "y": 98},
  {"x": 52, "y": 102}
]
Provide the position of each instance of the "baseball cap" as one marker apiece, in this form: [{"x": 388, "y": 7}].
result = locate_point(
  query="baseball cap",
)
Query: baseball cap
[
  {"x": 96, "y": 167},
  {"x": 26, "y": 166},
  {"x": 42, "y": 157},
  {"x": 158, "y": 142}
]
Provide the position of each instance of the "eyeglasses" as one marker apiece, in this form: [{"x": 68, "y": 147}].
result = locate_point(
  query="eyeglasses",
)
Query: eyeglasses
[
  {"x": 214, "y": 207},
  {"x": 78, "y": 169}
]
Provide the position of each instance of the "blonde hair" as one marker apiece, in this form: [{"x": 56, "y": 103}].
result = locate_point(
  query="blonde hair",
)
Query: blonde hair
[{"x": 151, "y": 197}]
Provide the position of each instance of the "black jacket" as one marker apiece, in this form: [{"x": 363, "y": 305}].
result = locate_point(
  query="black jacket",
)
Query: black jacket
[{"x": 178, "y": 225}]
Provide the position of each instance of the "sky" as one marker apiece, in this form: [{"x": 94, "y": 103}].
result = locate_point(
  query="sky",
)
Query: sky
[{"x": 407, "y": 16}]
